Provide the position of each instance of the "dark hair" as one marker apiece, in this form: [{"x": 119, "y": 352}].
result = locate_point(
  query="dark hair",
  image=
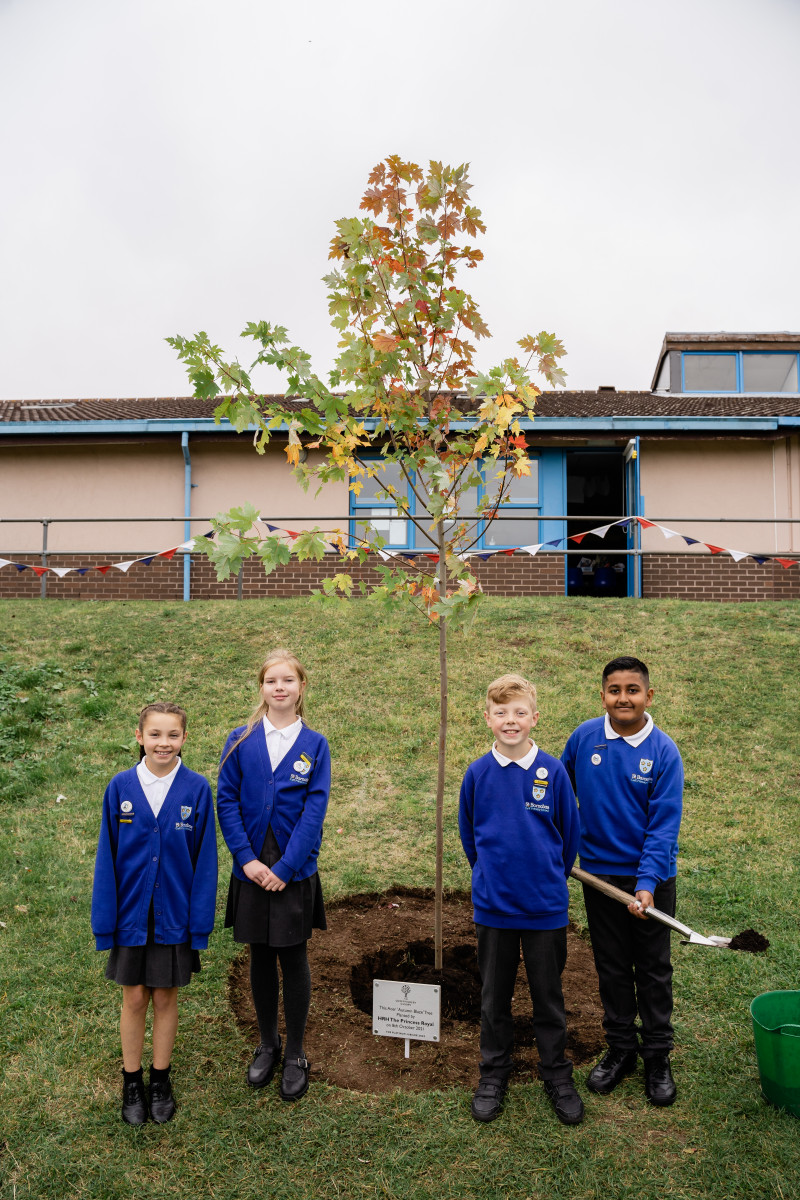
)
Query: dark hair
[
  {"x": 159, "y": 707},
  {"x": 627, "y": 663}
]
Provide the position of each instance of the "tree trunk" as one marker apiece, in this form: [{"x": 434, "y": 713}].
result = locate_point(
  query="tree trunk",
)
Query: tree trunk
[{"x": 437, "y": 930}]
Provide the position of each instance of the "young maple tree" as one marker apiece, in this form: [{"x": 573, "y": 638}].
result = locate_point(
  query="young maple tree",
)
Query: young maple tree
[{"x": 404, "y": 407}]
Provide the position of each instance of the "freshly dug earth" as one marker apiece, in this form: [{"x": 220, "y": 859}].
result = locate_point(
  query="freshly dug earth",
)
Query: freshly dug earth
[
  {"x": 390, "y": 936},
  {"x": 750, "y": 940}
]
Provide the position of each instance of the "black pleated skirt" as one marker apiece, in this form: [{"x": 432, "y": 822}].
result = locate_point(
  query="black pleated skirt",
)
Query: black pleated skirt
[
  {"x": 152, "y": 965},
  {"x": 275, "y": 918}
]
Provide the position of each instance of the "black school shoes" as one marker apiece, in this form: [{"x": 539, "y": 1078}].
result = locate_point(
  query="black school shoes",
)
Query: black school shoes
[
  {"x": 659, "y": 1086},
  {"x": 611, "y": 1070},
  {"x": 294, "y": 1080},
  {"x": 487, "y": 1102},
  {"x": 567, "y": 1104},
  {"x": 262, "y": 1068},
  {"x": 162, "y": 1101},
  {"x": 134, "y": 1102}
]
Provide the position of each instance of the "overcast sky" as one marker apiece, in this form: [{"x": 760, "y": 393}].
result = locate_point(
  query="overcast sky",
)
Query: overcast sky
[{"x": 172, "y": 165}]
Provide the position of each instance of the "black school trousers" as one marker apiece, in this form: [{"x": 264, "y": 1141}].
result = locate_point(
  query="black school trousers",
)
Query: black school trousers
[
  {"x": 545, "y": 953},
  {"x": 634, "y": 971}
]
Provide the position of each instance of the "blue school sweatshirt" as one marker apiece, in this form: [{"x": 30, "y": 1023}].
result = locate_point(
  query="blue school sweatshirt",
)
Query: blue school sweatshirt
[
  {"x": 170, "y": 860},
  {"x": 630, "y": 800},
  {"x": 519, "y": 830},
  {"x": 293, "y": 800}
]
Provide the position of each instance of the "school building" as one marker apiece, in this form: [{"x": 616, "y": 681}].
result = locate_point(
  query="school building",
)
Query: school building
[{"x": 711, "y": 451}]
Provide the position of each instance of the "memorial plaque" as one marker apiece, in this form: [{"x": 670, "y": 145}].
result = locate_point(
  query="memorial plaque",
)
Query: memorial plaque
[{"x": 406, "y": 1010}]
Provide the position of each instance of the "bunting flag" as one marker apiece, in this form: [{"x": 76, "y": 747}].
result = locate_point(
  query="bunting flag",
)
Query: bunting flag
[
  {"x": 410, "y": 555},
  {"x": 103, "y": 568}
]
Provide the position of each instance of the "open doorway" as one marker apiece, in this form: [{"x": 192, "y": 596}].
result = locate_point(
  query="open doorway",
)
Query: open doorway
[{"x": 595, "y": 496}]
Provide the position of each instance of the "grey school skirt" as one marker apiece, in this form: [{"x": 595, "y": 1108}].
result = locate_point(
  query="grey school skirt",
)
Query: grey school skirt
[
  {"x": 152, "y": 965},
  {"x": 274, "y": 918}
]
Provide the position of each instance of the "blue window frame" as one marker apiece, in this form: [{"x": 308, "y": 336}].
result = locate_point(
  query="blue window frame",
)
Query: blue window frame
[
  {"x": 519, "y": 526},
  {"x": 740, "y": 371}
]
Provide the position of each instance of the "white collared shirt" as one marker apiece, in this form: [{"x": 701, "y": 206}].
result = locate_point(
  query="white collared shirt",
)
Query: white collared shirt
[
  {"x": 635, "y": 739},
  {"x": 280, "y": 741},
  {"x": 155, "y": 787},
  {"x": 525, "y": 762}
]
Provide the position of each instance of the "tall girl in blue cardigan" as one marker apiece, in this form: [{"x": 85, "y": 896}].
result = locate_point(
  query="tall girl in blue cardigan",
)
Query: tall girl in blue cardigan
[
  {"x": 272, "y": 795},
  {"x": 155, "y": 887}
]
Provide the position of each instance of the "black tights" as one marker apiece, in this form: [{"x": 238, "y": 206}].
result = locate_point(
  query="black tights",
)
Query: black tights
[{"x": 296, "y": 993}]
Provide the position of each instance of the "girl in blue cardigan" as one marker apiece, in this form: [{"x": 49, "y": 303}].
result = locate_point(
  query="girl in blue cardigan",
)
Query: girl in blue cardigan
[
  {"x": 155, "y": 887},
  {"x": 272, "y": 796}
]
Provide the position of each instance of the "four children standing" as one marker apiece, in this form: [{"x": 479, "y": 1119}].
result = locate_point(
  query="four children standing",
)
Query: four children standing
[{"x": 156, "y": 872}]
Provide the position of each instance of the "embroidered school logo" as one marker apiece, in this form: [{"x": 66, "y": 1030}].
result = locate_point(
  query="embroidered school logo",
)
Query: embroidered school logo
[
  {"x": 303, "y": 765},
  {"x": 183, "y": 825},
  {"x": 596, "y": 759},
  {"x": 126, "y": 806},
  {"x": 645, "y": 765},
  {"x": 186, "y": 812},
  {"x": 539, "y": 793}
]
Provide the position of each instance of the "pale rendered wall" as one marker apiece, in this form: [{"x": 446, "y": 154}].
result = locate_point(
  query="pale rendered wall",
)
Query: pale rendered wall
[
  {"x": 722, "y": 479},
  {"x": 142, "y": 480}
]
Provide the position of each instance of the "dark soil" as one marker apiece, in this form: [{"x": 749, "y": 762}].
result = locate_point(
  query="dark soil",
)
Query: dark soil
[
  {"x": 750, "y": 940},
  {"x": 390, "y": 936}
]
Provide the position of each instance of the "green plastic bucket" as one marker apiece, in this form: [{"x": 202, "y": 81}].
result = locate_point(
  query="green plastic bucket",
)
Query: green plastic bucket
[{"x": 776, "y": 1026}]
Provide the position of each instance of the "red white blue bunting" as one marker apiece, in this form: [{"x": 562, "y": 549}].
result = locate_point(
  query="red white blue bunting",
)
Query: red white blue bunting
[
  {"x": 483, "y": 555},
  {"x": 600, "y": 531},
  {"x": 103, "y": 568}
]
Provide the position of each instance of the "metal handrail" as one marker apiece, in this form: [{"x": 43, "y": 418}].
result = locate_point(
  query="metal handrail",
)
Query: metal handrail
[{"x": 512, "y": 515}]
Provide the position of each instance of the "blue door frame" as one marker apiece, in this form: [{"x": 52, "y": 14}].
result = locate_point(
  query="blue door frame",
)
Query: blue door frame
[{"x": 633, "y": 508}]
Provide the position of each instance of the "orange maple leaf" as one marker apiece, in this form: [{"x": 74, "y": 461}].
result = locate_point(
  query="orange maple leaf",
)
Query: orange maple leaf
[{"x": 385, "y": 343}]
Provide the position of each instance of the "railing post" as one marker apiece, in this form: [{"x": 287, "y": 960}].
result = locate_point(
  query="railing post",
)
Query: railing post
[{"x": 43, "y": 579}]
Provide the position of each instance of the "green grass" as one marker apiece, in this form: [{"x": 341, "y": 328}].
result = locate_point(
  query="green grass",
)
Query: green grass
[{"x": 73, "y": 678}]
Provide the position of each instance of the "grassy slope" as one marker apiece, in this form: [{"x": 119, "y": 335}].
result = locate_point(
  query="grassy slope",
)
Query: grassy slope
[{"x": 725, "y": 681}]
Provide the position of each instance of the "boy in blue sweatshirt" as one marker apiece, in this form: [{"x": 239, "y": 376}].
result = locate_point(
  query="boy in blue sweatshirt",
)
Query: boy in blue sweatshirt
[
  {"x": 628, "y": 776},
  {"x": 519, "y": 828}
]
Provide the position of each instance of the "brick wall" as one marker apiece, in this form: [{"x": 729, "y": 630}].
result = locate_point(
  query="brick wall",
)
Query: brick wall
[
  {"x": 504, "y": 575},
  {"x": 703, "y": 577},
  {"x": 684, "y": 577}
]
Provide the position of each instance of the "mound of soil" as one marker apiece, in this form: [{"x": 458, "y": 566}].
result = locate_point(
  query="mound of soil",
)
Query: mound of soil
[
  {"x": 750, "y": 940},
  {"x": 390, "y": 936}
]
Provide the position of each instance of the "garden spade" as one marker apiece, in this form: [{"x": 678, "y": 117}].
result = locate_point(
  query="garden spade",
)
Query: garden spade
[{"x": 608, "y": 889}]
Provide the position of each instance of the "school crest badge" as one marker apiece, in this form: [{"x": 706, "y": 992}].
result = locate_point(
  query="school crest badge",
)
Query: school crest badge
[
  {"x": 539, "y": 793},
  {"x": 186, "y": 812},
  {"x": 645, "y": 765},
  {"x": 302, "y": 766}
]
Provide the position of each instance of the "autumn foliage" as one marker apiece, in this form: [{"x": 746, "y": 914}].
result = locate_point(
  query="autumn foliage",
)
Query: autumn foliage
[
  {"x": 404, "y": 388},
  {"x": 404, "y": 402}
]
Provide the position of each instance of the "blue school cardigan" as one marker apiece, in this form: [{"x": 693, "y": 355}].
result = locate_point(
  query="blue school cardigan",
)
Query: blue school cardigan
[
  {"x": 630, "y": 800},
  {"x": 519, "y": 829},
  {"x": 293, "y": 800},
  {"x": 170, "y": 860}
]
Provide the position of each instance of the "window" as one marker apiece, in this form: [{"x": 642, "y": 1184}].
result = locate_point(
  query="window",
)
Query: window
[
  {"x": 769, "y": 372},
  {"x": 739, "y": 371},
  {"x": 523, "y": 506},
  {"x": 518, "y": 524}
]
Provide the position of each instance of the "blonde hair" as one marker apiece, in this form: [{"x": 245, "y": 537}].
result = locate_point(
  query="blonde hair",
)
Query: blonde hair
[
  {"x": 262, "y": 708},
  {"x": 507, "y": 687}
]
